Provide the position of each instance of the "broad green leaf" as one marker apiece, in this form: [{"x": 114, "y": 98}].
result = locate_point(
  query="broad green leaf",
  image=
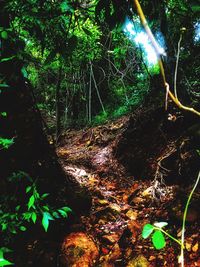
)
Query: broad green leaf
[
  {"x": 28, "y": 188},
  {"x": 22, "y": 228},
  {"x": 4, "y": 262},
  {"x": 5, "y": 250},
  {"x": 67, "y": 209},
  {"x": 147, "y": 230},
  {"x": 158, "y": 239},
  {"x": 46, "y": 208},
  {"x": 45, "y": 220},
  {"x": 4, "y": 34},
  {"x": 24, "y": 72},
  {"x": 13, "y": 231},
  {"x": 4, "y": 85},
  {"x": 64, "y": 6},
  {"x": 195, "y": 8},
  {"x": 17, "y": 208},
  {"x": 31, "y": 202},
  {"x": 45, "y": 195},
  {"x": 3, "y": 114},
  {"x": 4, "y": 226},
  {"x": 160, "y": 224},
  {"x": 6, "y": 143},
  {"x": 27, "y": 216},
  {"x": 34, "y": 217},
  {"x": 56, "y": 215},
  {"x": 63, "y": 213}
]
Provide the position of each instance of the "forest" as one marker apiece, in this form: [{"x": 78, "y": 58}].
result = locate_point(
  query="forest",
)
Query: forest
[{"x": 99, "y": 133}]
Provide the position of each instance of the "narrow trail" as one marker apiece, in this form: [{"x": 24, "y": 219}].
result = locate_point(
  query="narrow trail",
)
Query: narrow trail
[{"x": 109, "y": 232}]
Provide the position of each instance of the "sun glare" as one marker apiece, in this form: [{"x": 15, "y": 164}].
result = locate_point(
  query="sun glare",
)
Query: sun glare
[
  {"x": 197, "y": 32},
  {"x": 141, "y": 39}
]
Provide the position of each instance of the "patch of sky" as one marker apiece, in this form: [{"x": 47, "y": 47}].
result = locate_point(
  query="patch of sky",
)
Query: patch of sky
[{"x": 197, "y": 32}]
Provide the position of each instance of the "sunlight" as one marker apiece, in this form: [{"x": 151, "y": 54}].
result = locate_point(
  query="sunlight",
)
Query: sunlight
[
  {"x": 141, "y": 39},
  {"x": 197, "y": 32}
]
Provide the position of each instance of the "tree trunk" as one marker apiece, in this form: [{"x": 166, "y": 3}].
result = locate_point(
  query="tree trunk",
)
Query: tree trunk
[{"x": 58, "y": 104}]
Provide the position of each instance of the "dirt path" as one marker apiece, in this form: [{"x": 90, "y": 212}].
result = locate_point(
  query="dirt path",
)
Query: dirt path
[{"x": 122, "y": 203}]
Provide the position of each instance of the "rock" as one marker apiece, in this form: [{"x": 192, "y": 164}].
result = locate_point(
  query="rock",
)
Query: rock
[
  {"x": 139, "y": 261},
  {"x": 78, "y": 250}
]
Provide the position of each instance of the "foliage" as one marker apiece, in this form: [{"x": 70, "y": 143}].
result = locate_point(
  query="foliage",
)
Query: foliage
[
  {"x": 3, "y": 261},
  {"x": 158, "y": 233},
  {"x": 6, "y": 143},
  {"x": 15, "y": 215},
  {"x": 157, "y": 237}
]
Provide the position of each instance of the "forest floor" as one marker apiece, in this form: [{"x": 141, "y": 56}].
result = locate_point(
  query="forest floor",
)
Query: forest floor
[{"x": 127, "y": 185}]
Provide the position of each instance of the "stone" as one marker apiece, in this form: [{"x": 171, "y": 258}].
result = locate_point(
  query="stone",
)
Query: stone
[
  {"x": 139, "y": 261},
  {"x": 79, "y": 250}
]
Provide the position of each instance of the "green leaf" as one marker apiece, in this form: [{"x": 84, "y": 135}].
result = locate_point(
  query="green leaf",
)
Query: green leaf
[
  {"x": 24, "y": 72},
  {"x": 45, "y": 208},
  {"x": 6, "y": 143},
  {"x": 6, "y": 59},
  {"x": 28, "y": 188},
  {"x": 4, "y": 226},
  {"x": 17, "y": 208},
  {"x": 31, "y": 202},
  {"x": 4, "y": 262},
  {"x": 13, "y": 231},
  {"x": 64, "y": 6},
  {"x": 195, "y": 8},
  {"x": 5, "y": 250},
  {"x": 3, "y": 114},
  {"x": 147, "y": 230},
  {"x": 45, "y": 195},
  {"x": 22, "y": 228},
  {"x": 34, "y": 217},
  {"x": 158, "y": 239},
  {"x": 63, "y": 213},
  {"x": 45, "y": 220},
  {"x": 27, "y": 216},
  {"x": 67, "y": 209},
  {"x": 4, "y": 34},
  {"x": 56, "y": 215},
  {"x": 4, "y": 85},
  {"x": 160, "y": 224}
]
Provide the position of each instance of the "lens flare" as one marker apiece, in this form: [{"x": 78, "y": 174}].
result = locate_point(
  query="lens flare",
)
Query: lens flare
[{"x": 137, "y": 35}]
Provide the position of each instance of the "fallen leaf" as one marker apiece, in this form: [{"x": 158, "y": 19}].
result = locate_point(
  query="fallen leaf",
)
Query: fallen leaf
[
  {"x": 152, "y": 258},
  {"x": 195, "y": 247},
  {"x": 188, "y": 246},
  {"x": 102, "y": 201},
  {"x": 132, "y": 214},
  {"x": 113, "y": 238}
]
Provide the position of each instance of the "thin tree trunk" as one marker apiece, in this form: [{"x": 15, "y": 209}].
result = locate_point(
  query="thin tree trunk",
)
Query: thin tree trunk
[
  {"x": 97, "y": 90},
  {"x": 90, "y": 96},
  {"x": 58, "y": 104}
]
